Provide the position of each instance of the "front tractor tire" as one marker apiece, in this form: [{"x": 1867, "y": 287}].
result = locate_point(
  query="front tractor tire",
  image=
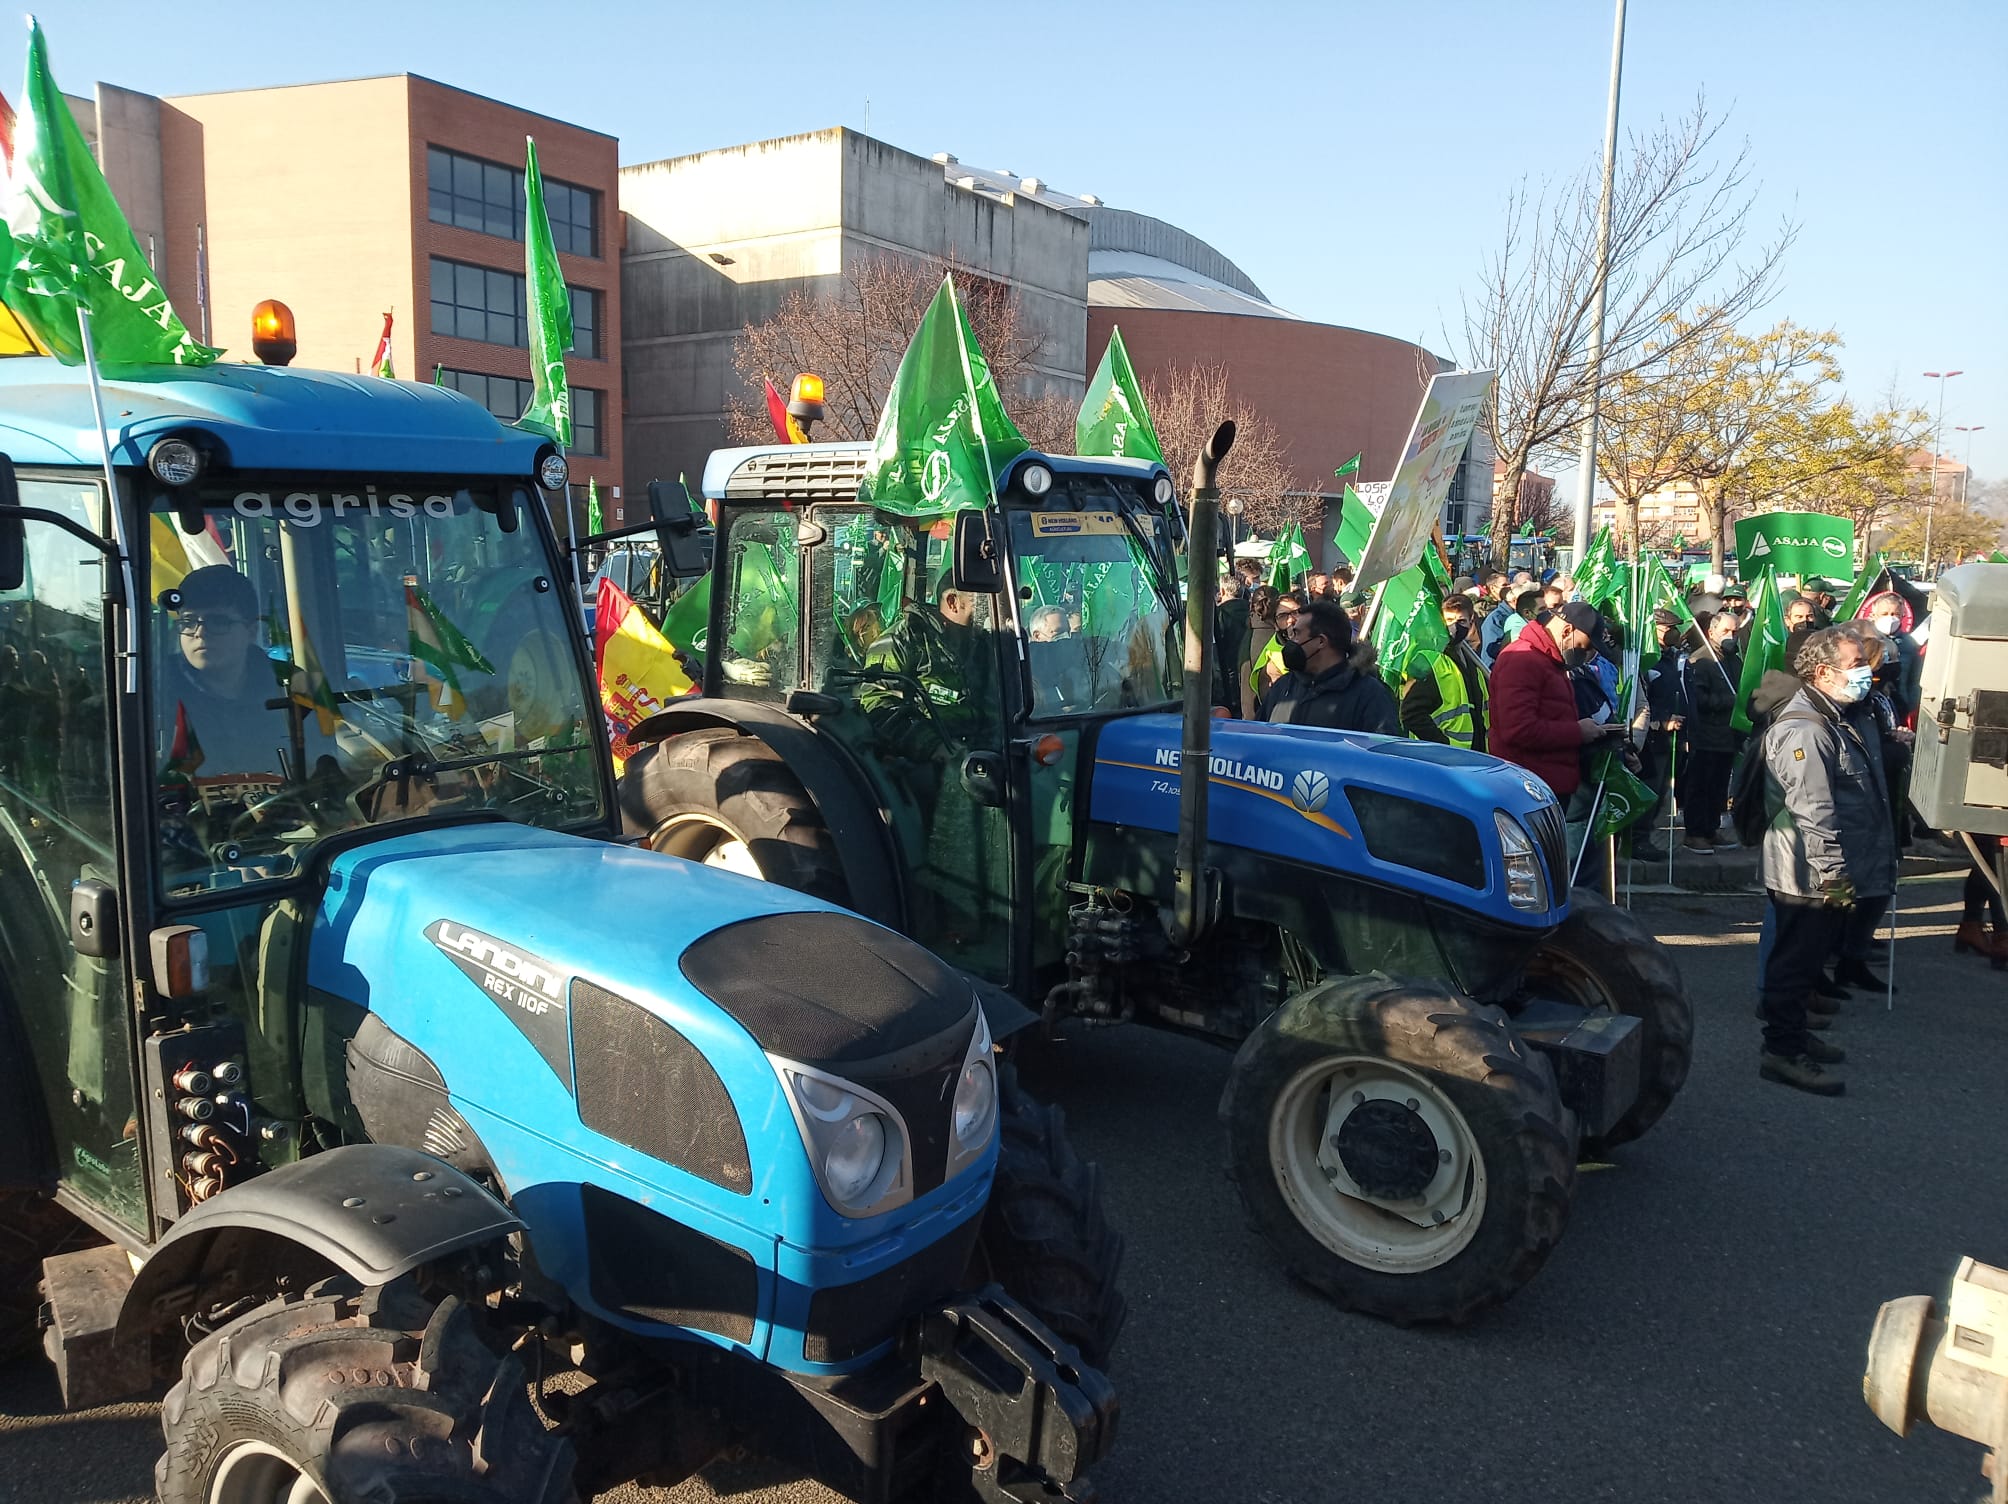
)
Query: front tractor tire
[
  {"x": 727, "y": 800},
  {"x": 1045, "y": 1237},
  {"x": 1400, "y": 1148},
  {"x": 346, "y": 1395},
  {"x": 1604, "y": 957}
]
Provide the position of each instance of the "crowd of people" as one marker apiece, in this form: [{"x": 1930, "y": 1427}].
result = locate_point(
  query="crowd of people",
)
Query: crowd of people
[{"x": 1811, "y": 767}]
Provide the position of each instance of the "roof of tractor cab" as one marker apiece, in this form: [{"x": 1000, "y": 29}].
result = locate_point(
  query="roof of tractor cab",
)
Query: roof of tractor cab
[
  {"x": 264, "y": 418},
  {"x": 833, "y": 472}
]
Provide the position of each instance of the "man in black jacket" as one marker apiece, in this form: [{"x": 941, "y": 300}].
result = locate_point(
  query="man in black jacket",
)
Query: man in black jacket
[
  {"x": 1322, "y": 687},
  {"x": 1664, "y": 710},
  {"x": 1708, "y": 739}
]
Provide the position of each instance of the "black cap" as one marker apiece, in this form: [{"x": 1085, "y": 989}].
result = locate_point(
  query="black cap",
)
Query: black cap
[
  {"x": 1665, "y": 618},
  {"x": 214, "y": 585},
  {"x": 1583, "y": 617}
]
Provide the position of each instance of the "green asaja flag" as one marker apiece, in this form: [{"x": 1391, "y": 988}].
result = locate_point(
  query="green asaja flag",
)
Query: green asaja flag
[
  {"x": 1597, "y": 575},
  {"x": 1289, "y": 559},
  {"x": 943, "y": 434},
  {"x": 550, "y": 409},
  {"x": 1408, "y": 625},
  {"x": 1350, "y": 467},
  {"x": 1626, "y": 800},
  {"x": 1767, "y": 645},
  {"x": 595, "y": 522},
  {"x": 1113, "y": 419},
  {"x": 1356, "y": 525},
  {"x": 686, "y": 623},
  {"x": 1658, "y": 592},
  {"x": 1864, "y": 583},
  {"x": 67, "y": 245}
]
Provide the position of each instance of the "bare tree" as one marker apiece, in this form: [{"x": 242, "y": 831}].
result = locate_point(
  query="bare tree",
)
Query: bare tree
[
  {"x": 1186, "y": 404},
  {"x": 1678, "y": 223},
  {"x": 854, "y": 334}
]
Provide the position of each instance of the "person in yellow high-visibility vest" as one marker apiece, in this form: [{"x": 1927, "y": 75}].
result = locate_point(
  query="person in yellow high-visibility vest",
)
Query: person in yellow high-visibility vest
[{"x": 1445, "y": 698}]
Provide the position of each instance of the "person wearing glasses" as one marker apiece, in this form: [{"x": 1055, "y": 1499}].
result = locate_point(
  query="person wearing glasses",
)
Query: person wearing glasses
[{"x": 215, "y": 706}]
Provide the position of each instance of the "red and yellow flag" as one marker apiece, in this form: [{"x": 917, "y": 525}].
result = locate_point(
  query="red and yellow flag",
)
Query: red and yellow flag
[{"x": 638, "y": 670}]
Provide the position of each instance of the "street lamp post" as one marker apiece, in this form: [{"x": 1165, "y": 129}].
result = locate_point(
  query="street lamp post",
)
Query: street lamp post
[
  {"x": 1233, "y": 507},
  {"x": 1966, "y": 475},
  {"x": 1937, "y": 437}
]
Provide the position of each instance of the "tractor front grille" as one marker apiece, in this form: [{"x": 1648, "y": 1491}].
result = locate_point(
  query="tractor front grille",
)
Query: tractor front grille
[
  {"x": 1551, "y": 834},
  {"x": 804, "y": 474}
]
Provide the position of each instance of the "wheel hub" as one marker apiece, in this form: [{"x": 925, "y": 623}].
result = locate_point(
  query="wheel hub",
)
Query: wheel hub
[{"x": 1388, "y": 1150}]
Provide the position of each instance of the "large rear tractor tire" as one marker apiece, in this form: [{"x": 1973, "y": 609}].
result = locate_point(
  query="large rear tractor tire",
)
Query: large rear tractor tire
[
  {"x": 727, "y": 800},
  {"x": 32, "y": 1228},
  {"x": 1603, "y": 957},
  {"x": 1402, "y": 1150},
  {"x": 1045, "y": 1237},
  {"x": 343, "y": 1395}
]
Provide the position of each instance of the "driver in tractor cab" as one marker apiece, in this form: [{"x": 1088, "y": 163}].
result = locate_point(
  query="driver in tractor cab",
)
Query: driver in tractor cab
[
  {"x": 224, "y": 731},
  {"x": 940, "y": 650}
]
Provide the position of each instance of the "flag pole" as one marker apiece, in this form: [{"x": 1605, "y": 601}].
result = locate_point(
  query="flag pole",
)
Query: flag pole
[
  {"x": 1589, "y": 833},
  {"x": 1889, "y": 981},
  {"x": 130, "y": 652}
]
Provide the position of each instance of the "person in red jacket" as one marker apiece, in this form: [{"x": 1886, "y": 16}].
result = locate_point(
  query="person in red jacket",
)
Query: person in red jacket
[{"x": 1534, "y": 721}]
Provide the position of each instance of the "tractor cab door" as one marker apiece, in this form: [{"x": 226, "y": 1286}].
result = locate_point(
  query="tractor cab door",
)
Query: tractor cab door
[
  {"x": 915, "y": 665},
  {"x": 57, "y": 830}
]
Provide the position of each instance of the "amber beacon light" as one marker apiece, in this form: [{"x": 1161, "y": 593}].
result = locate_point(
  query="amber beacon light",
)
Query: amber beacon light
[{"x": 273, "y": 339}]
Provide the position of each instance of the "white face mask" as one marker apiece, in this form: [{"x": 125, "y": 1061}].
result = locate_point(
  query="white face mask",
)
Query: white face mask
[{"x": 1887, "y": 625}]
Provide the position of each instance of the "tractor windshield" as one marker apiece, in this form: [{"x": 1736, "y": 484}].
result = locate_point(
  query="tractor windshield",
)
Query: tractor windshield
[
  {"x": 1092, "y": 603},
  {"x": 332, "y": 656}
]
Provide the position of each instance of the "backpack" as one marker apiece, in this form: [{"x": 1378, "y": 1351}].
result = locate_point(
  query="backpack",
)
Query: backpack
[{"x": 1749, "y": 809}]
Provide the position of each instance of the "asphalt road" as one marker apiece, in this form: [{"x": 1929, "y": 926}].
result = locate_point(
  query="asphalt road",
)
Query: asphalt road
[{"x": 1697, "y": 1336}]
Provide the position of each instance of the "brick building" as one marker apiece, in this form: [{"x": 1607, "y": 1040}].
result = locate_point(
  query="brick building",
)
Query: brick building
[{"x": 398, "y": 194}]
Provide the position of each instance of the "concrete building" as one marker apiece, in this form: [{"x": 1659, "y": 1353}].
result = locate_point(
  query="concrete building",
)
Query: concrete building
[
  {"x": 397, "y": 194},
  {"x": 720, "y": 239}
]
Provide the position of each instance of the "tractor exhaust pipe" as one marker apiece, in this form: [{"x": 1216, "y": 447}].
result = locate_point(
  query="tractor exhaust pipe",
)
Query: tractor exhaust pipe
[{"x": 1192, "y": 909}]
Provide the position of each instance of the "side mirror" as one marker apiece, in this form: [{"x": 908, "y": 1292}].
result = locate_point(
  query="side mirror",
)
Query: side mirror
[
  {"x": 13, "y": 531},
  {"x": 972, "y": 555},
  {"x": 686, "y": 550}
]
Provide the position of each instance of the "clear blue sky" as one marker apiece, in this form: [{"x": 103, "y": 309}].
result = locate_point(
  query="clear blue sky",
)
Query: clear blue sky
[{"x": 1308, "y": 142}]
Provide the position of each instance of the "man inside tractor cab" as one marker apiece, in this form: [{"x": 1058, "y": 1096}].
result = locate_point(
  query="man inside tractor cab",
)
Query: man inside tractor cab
[{"x": 936, "y": 651}]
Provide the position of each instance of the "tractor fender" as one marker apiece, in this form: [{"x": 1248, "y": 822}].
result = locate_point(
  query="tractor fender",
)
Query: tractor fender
[
  {"x": 370, "y": 1211},
  {"x": 835, "y": 785}
]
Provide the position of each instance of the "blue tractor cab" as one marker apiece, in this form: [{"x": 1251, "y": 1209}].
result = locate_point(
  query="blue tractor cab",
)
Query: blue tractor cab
[
  {"x": 982, "y": 729},
  {"x": 327, "y": 1031}
]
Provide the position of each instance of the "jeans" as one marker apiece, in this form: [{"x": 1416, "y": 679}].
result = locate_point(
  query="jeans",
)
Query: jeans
[{"x": 1804, "y": 934}]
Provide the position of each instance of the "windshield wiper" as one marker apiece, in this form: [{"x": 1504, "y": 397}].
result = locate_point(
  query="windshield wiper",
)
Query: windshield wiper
[{"x": 1166, "y": 591}]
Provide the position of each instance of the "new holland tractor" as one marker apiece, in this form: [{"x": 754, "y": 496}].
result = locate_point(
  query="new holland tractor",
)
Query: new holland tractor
[
  {"x": 338, "y": 1084},
  {"x": 977, "y": 728}
]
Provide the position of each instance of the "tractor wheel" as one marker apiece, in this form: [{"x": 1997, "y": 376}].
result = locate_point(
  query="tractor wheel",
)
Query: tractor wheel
[
  {"x": 32, "y": 1228},
  {"x": 1402, "y": 1150},
  {"x": 1045, "y": 1238},
  {"x": 727, "y": 800},
  {"x": 1602, "y": 957},
  {"x": 345, "y": 1394}
]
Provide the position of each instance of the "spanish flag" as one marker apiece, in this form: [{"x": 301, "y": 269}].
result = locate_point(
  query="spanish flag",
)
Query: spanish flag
[{"x": 638, "y": 670}]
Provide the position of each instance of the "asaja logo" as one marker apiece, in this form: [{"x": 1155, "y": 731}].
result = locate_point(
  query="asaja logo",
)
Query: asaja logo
[
  {"x": 934, "y": 475},
  {"x": 1309, "y": 791},
  {"x": 1833, "y": 548},
  {"x": 1759, "y": 548}
]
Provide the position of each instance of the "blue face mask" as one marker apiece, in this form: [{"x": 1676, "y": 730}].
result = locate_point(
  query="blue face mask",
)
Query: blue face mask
[{"x": 1859, "y": 678}]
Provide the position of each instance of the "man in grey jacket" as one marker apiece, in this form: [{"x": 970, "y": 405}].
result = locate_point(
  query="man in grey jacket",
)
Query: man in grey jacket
[{"x": 1828, "y": 840}]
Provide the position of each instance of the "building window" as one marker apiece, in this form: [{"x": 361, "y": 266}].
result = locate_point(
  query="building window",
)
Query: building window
[
  {"x": 487, "y": 197},
  {"x": 481, "y": 303},
  {"x": 507, "y": 396}
]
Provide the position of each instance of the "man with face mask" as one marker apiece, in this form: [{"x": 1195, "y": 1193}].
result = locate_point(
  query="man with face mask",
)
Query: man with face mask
[
  {"x": 1534, "y": 720},
  {"x": 1828, "y": 840},
  {"x": 1664, "y": 709},
  {"x": 1322, "y": 685},
  {"x": 1708, "y": 734}
]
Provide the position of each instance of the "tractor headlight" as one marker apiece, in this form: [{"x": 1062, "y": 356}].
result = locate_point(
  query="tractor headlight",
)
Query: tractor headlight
[
  {"x": 552, "y": 471},
  {"x": 974, "y": 1114},
  {"x": 1526, "y": 888},
  {"x": 1036, "y": 479},
  {"x": 855, "y": 1159},
  {"x": 1163, "y": 490},
  {"x": 856, "y": 1141},
  {"x": 174, "y": 462}
]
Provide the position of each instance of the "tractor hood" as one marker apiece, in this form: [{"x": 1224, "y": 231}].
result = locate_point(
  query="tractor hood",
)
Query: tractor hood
[
  {"x": 1416, "y": 815},
  {"x": 602, "y": 1013}
]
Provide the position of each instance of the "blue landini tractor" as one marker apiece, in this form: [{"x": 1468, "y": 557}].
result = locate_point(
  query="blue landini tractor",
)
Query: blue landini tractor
[
  {"x": 339, "y": 1083},
  {"x": 970, "y": 729}
]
